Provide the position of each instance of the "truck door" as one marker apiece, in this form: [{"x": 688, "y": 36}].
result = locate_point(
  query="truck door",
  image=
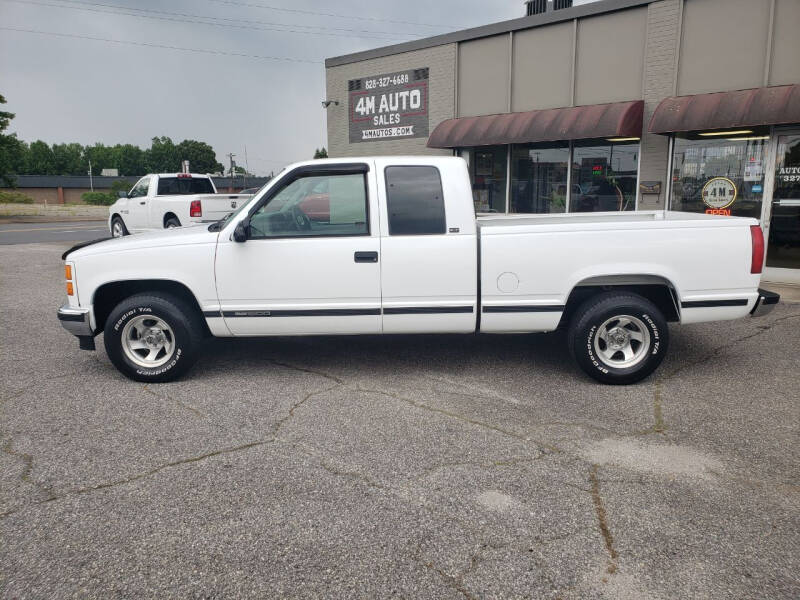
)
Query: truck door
[
  {"x": 301, "y": 273},
  {"x": 428, "y": 248},
  {"x": 138, "y": 205}
]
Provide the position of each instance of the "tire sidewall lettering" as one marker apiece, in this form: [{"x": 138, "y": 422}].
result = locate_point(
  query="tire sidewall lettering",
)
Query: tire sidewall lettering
[
  {"x": 130, "y": 313},
  {"x": 593, "y": 332}
]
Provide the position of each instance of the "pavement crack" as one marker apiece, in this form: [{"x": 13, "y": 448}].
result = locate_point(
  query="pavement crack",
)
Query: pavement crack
[
  {"x": 27, "y": 468},
  {"x": 460, "y": 417},
  {"x": 602, "y": 520},
  {"x": 168, "y": 398},
  {"x": 279, "y": 424},
  {"x": 144, "y": 475},
  {"x": 302, "y": 369}
]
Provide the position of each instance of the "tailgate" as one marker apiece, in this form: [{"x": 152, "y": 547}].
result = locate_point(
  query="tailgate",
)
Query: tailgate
[{"x": 216, "y": 206}]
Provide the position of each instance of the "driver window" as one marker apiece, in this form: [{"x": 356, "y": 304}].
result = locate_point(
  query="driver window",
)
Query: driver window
[
  {"x": 140, "y": 189},
  {"x": 322, "y": 205}
]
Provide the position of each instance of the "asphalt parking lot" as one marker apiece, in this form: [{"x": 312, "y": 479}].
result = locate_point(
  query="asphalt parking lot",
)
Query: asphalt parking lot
[{"x": 411, "y": 467}]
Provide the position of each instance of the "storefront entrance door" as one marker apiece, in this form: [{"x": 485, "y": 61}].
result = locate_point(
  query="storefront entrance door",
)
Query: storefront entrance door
[{"x": 783, "y": 249}]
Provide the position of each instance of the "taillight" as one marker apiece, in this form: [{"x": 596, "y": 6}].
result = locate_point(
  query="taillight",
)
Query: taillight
[
  {"x": 195, "y": 209},
  {"x": 68, "y": 277},
  {"x": 757, "y": 259}
]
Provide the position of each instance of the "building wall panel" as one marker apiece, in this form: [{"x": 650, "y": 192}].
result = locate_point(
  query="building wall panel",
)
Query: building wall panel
[
  {"x": 483, "y": 76},
  {"x": 610, "y": 61},
  {"x": 785, "y": 67},
  {"x": 724, "y": 45},
  {"x": 542, "y": 69}
]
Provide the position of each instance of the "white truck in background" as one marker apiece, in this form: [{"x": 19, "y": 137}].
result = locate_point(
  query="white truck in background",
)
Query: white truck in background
[
  {"x": 169, "y": 200},
  {"x": 391, "y": 245}
]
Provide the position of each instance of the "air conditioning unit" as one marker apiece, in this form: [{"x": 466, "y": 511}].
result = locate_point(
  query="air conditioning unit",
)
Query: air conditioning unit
[{"x": 537, "y": 7}]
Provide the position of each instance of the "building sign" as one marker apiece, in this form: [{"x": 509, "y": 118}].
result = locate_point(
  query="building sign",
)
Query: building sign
[
  {"x": 389, "y": 106},
  {"x": 718, "y": 194},
  {"x": 788, "y": 175}
]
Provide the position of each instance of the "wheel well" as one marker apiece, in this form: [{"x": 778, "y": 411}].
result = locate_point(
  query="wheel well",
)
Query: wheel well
[
  {"x": 657, "y": 290},
  {"x": 169, "y": 216},
  {"x": 109, "y": 295}
]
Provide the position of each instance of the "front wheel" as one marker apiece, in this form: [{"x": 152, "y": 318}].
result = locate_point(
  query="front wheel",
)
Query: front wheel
[
  {"x": 153, "y": 337},
  {"x": 118, "y": 228},
  {"x": 618, "y": 337}
]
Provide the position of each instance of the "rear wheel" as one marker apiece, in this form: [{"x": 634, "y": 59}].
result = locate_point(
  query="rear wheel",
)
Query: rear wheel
[
  {"x": 153, "y": 337},
  {"x": 618, "y": 337},
  {"x": 118, "y": 228},
  {"x": 172, "y": 223}
]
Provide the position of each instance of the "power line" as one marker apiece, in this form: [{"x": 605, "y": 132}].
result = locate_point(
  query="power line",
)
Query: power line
[
  {"x": 163, "y": 46},
  {"x": 214, "y": 18},
  {"x": 184, "y": 18},
  {"x": 322, "y": 14}
]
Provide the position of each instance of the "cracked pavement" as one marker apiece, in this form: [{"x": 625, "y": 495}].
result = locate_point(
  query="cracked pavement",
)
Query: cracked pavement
[{"x": 407, "y": 466}]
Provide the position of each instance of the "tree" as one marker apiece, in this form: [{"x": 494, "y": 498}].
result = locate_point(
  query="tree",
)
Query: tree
[
  {"x": 129, "y": 159},
  {"x": 101, "y": 156},
  {"x": 162, "y": 157},
  {"x": 68, "y": 159},
  {"x": 9, "y": 146},
  {"x": 40, "y": 160},
  {"x": 320, "y": 153},
  {"x": 200, "y": 155}
]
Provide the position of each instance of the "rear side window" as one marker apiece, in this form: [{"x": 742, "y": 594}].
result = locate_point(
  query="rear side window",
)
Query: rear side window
[
  {"x": 179, "y": 186},
  {"x": 414, "y": 201}
]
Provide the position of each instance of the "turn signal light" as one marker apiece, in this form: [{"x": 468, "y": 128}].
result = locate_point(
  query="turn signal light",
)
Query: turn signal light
[
  {"x": 68, "y": 272},
  {"x": 757, "y": 258},
  {"x": 70, "y": 289},
  {"x": 195, "y": 209}
]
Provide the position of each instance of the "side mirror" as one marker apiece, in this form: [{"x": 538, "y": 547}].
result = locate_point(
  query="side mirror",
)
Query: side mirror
[
  {"x": 241, "y": 231},
  {"x": 122, "y": 194}
]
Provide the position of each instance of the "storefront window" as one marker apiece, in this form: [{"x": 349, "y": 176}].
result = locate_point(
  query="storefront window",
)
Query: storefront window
[
  {"x": 604, "y": 176},
  {"x": 539, "y": 178},
  {"x": 720, "y": 172},
  {"x": 784, "y": 232},
  {"x": 487, "y": 171}
]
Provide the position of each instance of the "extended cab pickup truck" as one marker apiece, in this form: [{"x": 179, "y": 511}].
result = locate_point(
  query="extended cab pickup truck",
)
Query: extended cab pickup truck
[
  {"x": 170, "y": 200},
  {"x": 399, "y": 250}
]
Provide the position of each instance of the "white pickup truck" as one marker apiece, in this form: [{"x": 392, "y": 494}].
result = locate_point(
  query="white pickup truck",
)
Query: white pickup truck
[
  {"x": 170, "y": 200},
  {"x": 392, "y": 245}
]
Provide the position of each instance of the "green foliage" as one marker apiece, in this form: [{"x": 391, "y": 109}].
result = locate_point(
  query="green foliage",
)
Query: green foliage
[
  {"x": 320, "y": 153},
  {"x": 99, "y": 198},
  {"x": 8, "y": 144},
  {"x": 67, "y": 158},
  {"x": 39, "y": 158},
  {"x": 121, "y": 185},
  {"x": 200, "y": 155},
  {"x": 7, "y": 197}
]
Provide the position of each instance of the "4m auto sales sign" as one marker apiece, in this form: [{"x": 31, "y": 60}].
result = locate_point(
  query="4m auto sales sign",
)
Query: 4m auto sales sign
[{"x": 389, "y": 106}]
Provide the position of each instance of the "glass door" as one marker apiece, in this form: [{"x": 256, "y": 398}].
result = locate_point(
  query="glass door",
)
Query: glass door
[{"x": 783, "y": 246}]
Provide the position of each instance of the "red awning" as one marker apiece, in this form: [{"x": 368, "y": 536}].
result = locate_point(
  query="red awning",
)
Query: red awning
[
  {"x": 620, "y": 119},
  {"x": 724, "y": 110}
]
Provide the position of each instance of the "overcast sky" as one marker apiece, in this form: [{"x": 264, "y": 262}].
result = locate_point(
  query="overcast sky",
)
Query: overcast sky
[{"x": 66, "y": 89}]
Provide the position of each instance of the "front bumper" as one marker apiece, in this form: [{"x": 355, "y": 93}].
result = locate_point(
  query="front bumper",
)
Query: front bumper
[
  {"x": 76, "y": 320},
  {"x": 765, "y": 303}
]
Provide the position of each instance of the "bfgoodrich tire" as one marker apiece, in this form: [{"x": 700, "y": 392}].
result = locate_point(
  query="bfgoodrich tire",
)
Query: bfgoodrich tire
[
  {"x": 153, "y": 337},
  {"x": 618, "y": 337}
]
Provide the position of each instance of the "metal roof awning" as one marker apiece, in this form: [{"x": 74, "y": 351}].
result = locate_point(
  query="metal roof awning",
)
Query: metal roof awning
[
  {"x": 620, "y": 119},
  {"x": 725, "y": 110}
]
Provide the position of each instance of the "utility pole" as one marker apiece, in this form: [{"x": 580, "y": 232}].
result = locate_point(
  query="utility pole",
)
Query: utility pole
[
  {"x": 91, "y": 182},
  {"x": 246, "y": 166},
  {"x": 233, "y": 164}
]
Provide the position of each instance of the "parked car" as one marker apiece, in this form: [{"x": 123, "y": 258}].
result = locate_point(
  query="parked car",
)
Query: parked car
[
  {"x": 402, "y": 252},
  {"x": 170, "y": 200}
]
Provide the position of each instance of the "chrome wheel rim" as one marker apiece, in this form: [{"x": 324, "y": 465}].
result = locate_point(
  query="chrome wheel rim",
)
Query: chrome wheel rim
[
  {"x": 116, "y": 229},
  {"x": 148, "y": 341},
  {"x": 622, "y": 341}
]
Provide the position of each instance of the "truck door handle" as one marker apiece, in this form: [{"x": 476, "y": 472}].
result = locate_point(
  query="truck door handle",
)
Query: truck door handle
[
  {"x": 143, "y": 202},
  {"x": 366, "y": 257}
]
